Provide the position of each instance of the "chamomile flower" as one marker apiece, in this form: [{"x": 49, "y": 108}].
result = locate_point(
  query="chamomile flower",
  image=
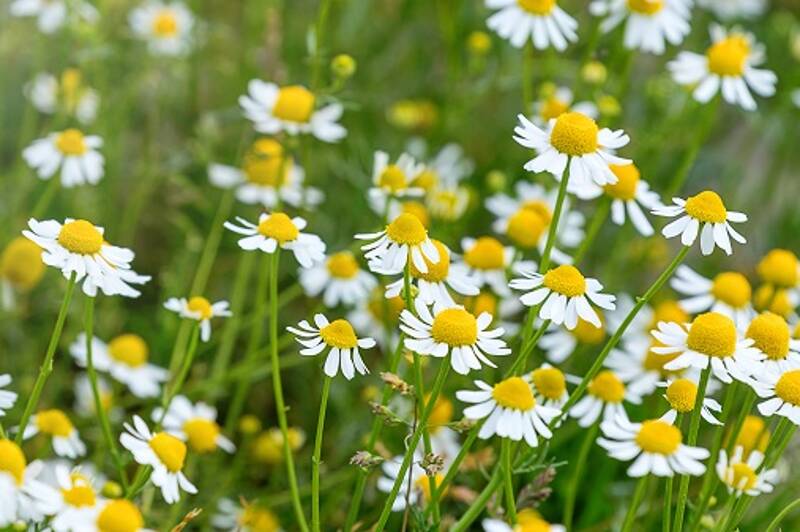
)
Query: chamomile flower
[
  {"x": 549, "y": 386},
  {"x": 78, "y": 247},
  {"x": 393, "y": 180},
  {"x": 781, "y": 389},
  {"x": 711, "y": 338},
  {"x": 291, "y": 109},
  {"x": 541, "y": 21},
  {"x": 556, "y": 101},
  {"x": 433, "y": 286},
  {"x": 57, "y": 426},
  {"x": 116, "y": 514},
  {"x": 404, "y": 241},
  {"x": 734, "y": 9},
  {"x": 267, "y": 447},
  {"x": 163, "y": 452},
  {"x": 681, "y": 394},
  {"x": 448, "y": 167},
  {"x": 779, "y": 268},
  {"x": 268, "y": 177},
  {"x": 640, "y": 368},
  {"x": 195, "y": 424},
  {"x": 67, "y": 93},
  {"x": 605, "y": 395},
  {"x": 485, "y": 262},
  {"x": 754, "y": 436},
  {"x": 76, "y": 499},
  {"x": 656, "y": 444},
  {"x": 51, "y": 15},
  {"x": 728, "y": 293},
  {"x": 527, "y": 520},
  {"x": 638, "y": 332},
  {"x": 125, "y": 358},
  {"x": 564, "y": 294},
  {"x": 21, "y": 269},
  {"x": 575, "y": 139},
  {"x": 275, "y": 230},
  {"x": 448, "y": 201},
  {"x": 453, "y": 330},
  {"x": 339, "y": 279},
  {"x": 339, "y": 338},
  {"x": 771, "y": 336},
  {"x": 742, "y": 475},
  {"x": 649, "y": 22},
  {"x": 559, "y": 342},
  {"x": 166, "y": 26},
  {"x": 199, "y": 309},
  {"x": 23, "y": 496},
  {"x": 729, "y": 64},
  {"x": 510, "y": 409},
  {"x": 70, "y": 151},
  {"x": 705, "y": 208},
  {"x": 244, "y": 517},
  {"x": 420, "y": 493},
  {"x": 7, "y": 398},
  {"x": 505, "y": 311},
  {"x": 780, "y": 301}
]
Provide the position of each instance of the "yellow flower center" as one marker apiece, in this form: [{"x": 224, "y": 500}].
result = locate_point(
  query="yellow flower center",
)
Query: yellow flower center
[
  {"x": 646, "y": 7},
  {"x": 607, "y": 387},
  {"x": 486, "y": 254},
  {"x": 79, "y": 495},
  {"x": 257, "y": 519},
  {"x": 754, "y": 435},
  {"x": 339, "y": 333},
  {"x": 732, "y": 288},
  {"x": 80, "y": 236},
  {"x": 12, "y": 460},
  {"x": 423, "y": 484},
  {"x": 442, "y": 412},
  {"x": 120, "y": 515},
  {"x": 165, "y": 24},
  {"x": 574, "y": 134},
  {"x": 426, "y": 179},
  {"x": 514, "y": 393},
  {"x": 779, "y": 267},
  {"x": 728, "y": 56},
  {"x": 587, "y": 333},
  {"x": 712, "y": 334},
  {"x": 552, "y": 107},
  {"x": 483, "y": 302},
  {"x": 530, "y": 521},
  {"x": 669, "y": 310},
  {"x": 54, "y": 422},
  {"x": 342, "y": 265},
  {"x": 70, "y": 142},
  {"x": 202, "y": 306},
  {"x": 170, "y": 450},
  {"x": 682, "y": 395},
  {"x": 655, "y": 362},
  {"x": 130, "y": 349},
  {"x": 437, "y": 272},
  {"x": 406, "y": 229},
  {"x": 266, "y": 164},
  {"x": 744, "y": 478},
  {"x": 565, "y": 280},
  {"x": 707, "y": 207},
  {"x": 771, "y": 334},
  {"x": 415, "y": 208},
  {"x": 541, "y": 208},
  {"x": 526, "y": 227},
  {"x": 627, "y": 180},
  {"x": 549, "y": 382},
  {"x": 202, "y": 434},
  {"x": 537, "y": 7},
  {"x": 392, "y": 178},
  {"x": 777, "y": 301},
  {"x": 377, "y": 304},
  {"x": 658, "y": 437},
  {"x": 788, "y": 387},
  {"x": 21, "y": 263},
  {"x": 294, "y": 104},
  {"x": 280, "y": 227},
  {"x": 455, "y": 327},
  {"x": 71, "y": 87}
]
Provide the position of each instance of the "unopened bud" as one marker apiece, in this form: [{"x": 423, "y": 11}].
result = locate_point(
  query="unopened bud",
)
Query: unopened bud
[
  {"x": 365, "y": 460},
  {"x": 389, "y": 417},
  {"x": 479, "y": 43},
  {"x": 396, "y": 383},
  {"x": 249, "y": 424},
  {"x": 112, "y": 490},
  {"x": 343, "y": 66},
  {"x": 463, "y": 425},
  {"x": 594, "y": 72},
  {"x": 496, "y": 180},
  {"x": 432, "y": 463}
]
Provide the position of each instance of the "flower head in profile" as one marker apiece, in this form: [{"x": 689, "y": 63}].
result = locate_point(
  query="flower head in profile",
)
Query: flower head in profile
[
  {"x": 199, "y": 309},
  {"x": 448, "y": 201},
  {"x": 268, "y": 446},
  {"x": 55, "y": 424},
  {"x": 162, "y": 451},
  {"x": 404, "y": 241},
  {"x": 72, "y": 153},
  {"x": 510, "y": 409},
  {"x": 245, "y": 517},
  {"x": 649, "y": 22},
  {"x": 781, "y": 391},
  {"x": 528, "y": 519},
  {"x": 339, "y": 339},
  {"x": 771, "y": 336},
  {"x": 729, "y": 66},
  {"x": 542, "y": 22},
  {"x": 24, "y": 496},
  {"x": 681, "y": 394},
  {"x": 67, "y": 93},
  {"x": 728, "y": 293},
  {"x": 291, "y": 109},
  {"x": 754, "y": 436},
  {"x": 742, "y": 475},
  {"x": 21, "y": 268},
  {"x": 605, "y": 396},
  {"x": 339, "y": 279},
  {"x": 706, "y": 209},
  {"x": 165, "y": 26},
  {"x": 52, "y": 15},
  {"x": 275, "y": 230},
  {"x": 7, "y": 398},
  {"x": 196, "y": 424}
]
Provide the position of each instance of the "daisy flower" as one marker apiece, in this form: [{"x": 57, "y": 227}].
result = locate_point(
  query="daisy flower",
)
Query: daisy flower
[
  {"x": 640, "y": 368},
  {"x": 549, "y": 386},
  {"x": 649, "y": 22},
  {"x": 84, "y": 397},
  {"x": 559, "y": 342},
  {"x": 369, "y": 316},
  {"x": 711, "y": 338},
  {"x": 268, "y": 446},
  {"x": 656, "y": 444},
  {"x": 51, "y": 15},
  {"x": 743, "y": 476},
  {"x": 556, "y": 101},
  {"x": 69, "y": 94},
  {"x": 234, "y": 517},
  {"x": 78, "y": 247},
  {"x": 779, "y": 268},
  {"x": 448, "y": 201},
  {"x": 195, "y": 424},
  {"x": 76, "y": 499},
  {"x": 729, "y": 64},
  {"x": 63, "y": 434},
  {"x": 541, "y": 21},
  {"x": 453, "y": 330},
  {"x": 268, "y": 177},
  {"x": 74, "y": 153},
  {"x": 564, "y": 294},
  {"x": 393, "y": 180},
  {"x": 527, "y": 519},
  {"x": 505, "y": 311},
  {"x": 199, "y": 309},
  {"x": 734, "y": 9},
  {"x": 780, "y": 301},
  {"x": 604, "y": 395},
  {"x": 420, "y": 493},
  {"x": 7, "y": 398},
  {"x": 771, "y": 336},
  {"x": 728, "y": 293},
  {"x": 638, "y": 332},
  {"x": 705, "y": 208},
  {"x": 340, "y": 279},
  {"x": 291, "y": 109},
  {"x": 485, "y": 262},
  {"x": 117, "y": 514},
  {"x": 448, "y": 167},
  {"x": 163, "y": 452},
  {"x": 512, "y": 411},
  {"x": 432, "y": 287},
  {"x": 125, "y": 358},
  {"x": 781, "y": 389},
  {"x": 21, "y": 269},
  {"x": 167, "y": 27},
  {"x": 277, "y": 229},
  {"x": 404, "y": 241},
  {"x": 681, "y": 394},
  {"x": 754, "y": 436},
  {"x": 575, "y": 139},
  {"x": 339, "y": 338},
  {"x": 24, "y": 497}
]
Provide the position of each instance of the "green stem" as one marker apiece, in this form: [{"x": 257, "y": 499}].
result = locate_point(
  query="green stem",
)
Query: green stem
[
  {"x": 212, "y": 244},
  {"x": 638, "y": 494},
  {"x": 47, "y": 196},
  {"x": 527, "y": 81},
  {"x": 552, "y": 234},
  {"x": 186, "y": 364},
  {"x": 580, "y": 462},
  {"x": 316, "y": 460},
  {"x": 508, "y": 474},
  {"x": 727, "y": 514},
  {"x": 521, "y": 361},
  {"x": 680, "y": 175},
  {"x": 773, "y": 526},
  {"x": 319, "y": 32},
  {"x": 479, "y": 503},
  {"x": 598, "y": 218},
  {"x": 454, "y": 466}
]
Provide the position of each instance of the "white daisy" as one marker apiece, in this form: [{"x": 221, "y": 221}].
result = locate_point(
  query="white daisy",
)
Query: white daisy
[
  {"x": 528, "y": 519},
  {"x": 291, "y": 109},
  {"x": 166, "y": 26},
  {"x": 642, "y": 369},
  {"x": 729, "y": 293},
  {"x": 163, "y": 452},
  {"x": 117, "y": 514},
  {"x": 233, "y": 517},
  {"x": 393, "y": 180},
  {"x": 649, "y": 22},
  {"x": 277, "y": 229},
  {"x": 404, "y": 241},
  {"x": 125, "y": 358},
  {"x": 195, "y": 424},
  {"x": 57, "y": 426},
  {"x": 448, "y": 201},
  {"x": 71, "y": 151},
  {"x": 485, "y": 262},
  {"x": 705, "y": 208},
  {"x": 51, "y": 15},
  {"x": 781, "y": 389},
  {"x": 7, "y": 398},
  {"x": 448, "y": 167},
  {"x": 541, "y": 21},
  {"x": 69, "y": 94},
  {"x": 199, "y": 309},
  {"x": 549, "y": 386},
  {"x": 453, "y": 330},
  {"x": 556, "y": 101},
  {"x": 744, "y": 476},
  {"x": 76, "y": 499},
  {"x": 734, "y": 9},
  {"x": 23, "y": 496},
  {"x": 771, "y": 335},
  {"x": 681, "y": 394},
  {"x": 340, "y": 279},
  {"x": 340, "y": 340},
  {"x": 604, "y": 395},
  {"x": 729, "y": 64}
]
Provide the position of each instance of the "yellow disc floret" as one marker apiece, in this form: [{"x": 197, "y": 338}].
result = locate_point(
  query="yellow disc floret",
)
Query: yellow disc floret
[
  {"x": 574, "y": 134},
  {"x": 753, "y": 436},
  {"x": 788, "y": 387},
  {"x": 120, "y": 515},
  {"x": 339, "y": 333},
  {"x": 483, "y": 302},
  {"x": 342, "y": 265},
  {"x": 712, "y": 334},
  {"x": 541, "y": 208},
  {"x": 529, "y": 520},
  {"x": 393, "y": 178},
  {"x": 406, "y": 229},
  {"x": 71, "y": 142},
  {"x": 21, "y": 263},
  {"x": 732, "y": 288},
  {"x": 658, "y": 437},
  {"x": 779, "y": 267},
  {"x": 266, "y": 164},
  {"x": 627, "y": 181},
  {"x": 728, "y": 57},
  {"x": 442, "y": 412},
  {"x": 455, "y": 327},
  {"x": 646, "y": 7},
  {"x": 588, "y": 333},
  {"x": 201, "y": 306},
  {"x": 165, "y": 24},
  {"x": 607, "y": 387},
  {"x": 771, "y": 335},
  {"x": 707, "y": 207},
  {"x": 437, "y": 272},
  {"x": 294, "y": 104},
  {"x": 54, "y": 422},
  {"x": 513, "y": 393},
  {"x": 526, "y": 227},
  {"x": 537, "y": 7},
  {"x": 486, "y": 254},
  {"x": 565, "y": 280},
  {"x": 655, "y": 362},
  {"x": 202, "y": 434},
  {"x": 280, "y": 227},
  {"x": 12, "y": 460},
  {"x": 549, "y": 382},
  {"x": 552, "y": 107},
  {"x": 777, "y": 300},
  {"x": 256, "y": 519},
  {"x": 79, "y": 495},
  {"x": 170, "y": 451},
  {"x": 423, "y": 484},
  {"x": 741, "y": 476},
  {"x": 669, "y": 310},
  {"x": 130, "y": 349},
  {"x": 682, "y": 395},
  {"x": 418, "y": 209},
  {"x": 80, "y": 236}
]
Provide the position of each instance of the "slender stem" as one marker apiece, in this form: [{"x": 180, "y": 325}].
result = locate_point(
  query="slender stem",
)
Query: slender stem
[
  {"x": 47, "y": 365},
  {"x": 316, "y": 460},
  {"x": 552, "y": 234},
  {"x": 212, "y": 244},
  {"x": 527, "y": 81},
  {"x": 598, "y": 218},
  {"x": 668, "y": 484},
  {"x": 638, "y": 494},
  {"x": 727, "y": 514},
  {"x": 508, "y": 473},
  {"x": 479, "y": 503},
  {"x": 319, "y": 33},
  {"x": 773, "y": 526},
  {"x": 186, "y": 364},
  {"x": 522, "y": 359},
  {"x": 580, "y": 462},
  {"x": 456, "y": 463}
]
